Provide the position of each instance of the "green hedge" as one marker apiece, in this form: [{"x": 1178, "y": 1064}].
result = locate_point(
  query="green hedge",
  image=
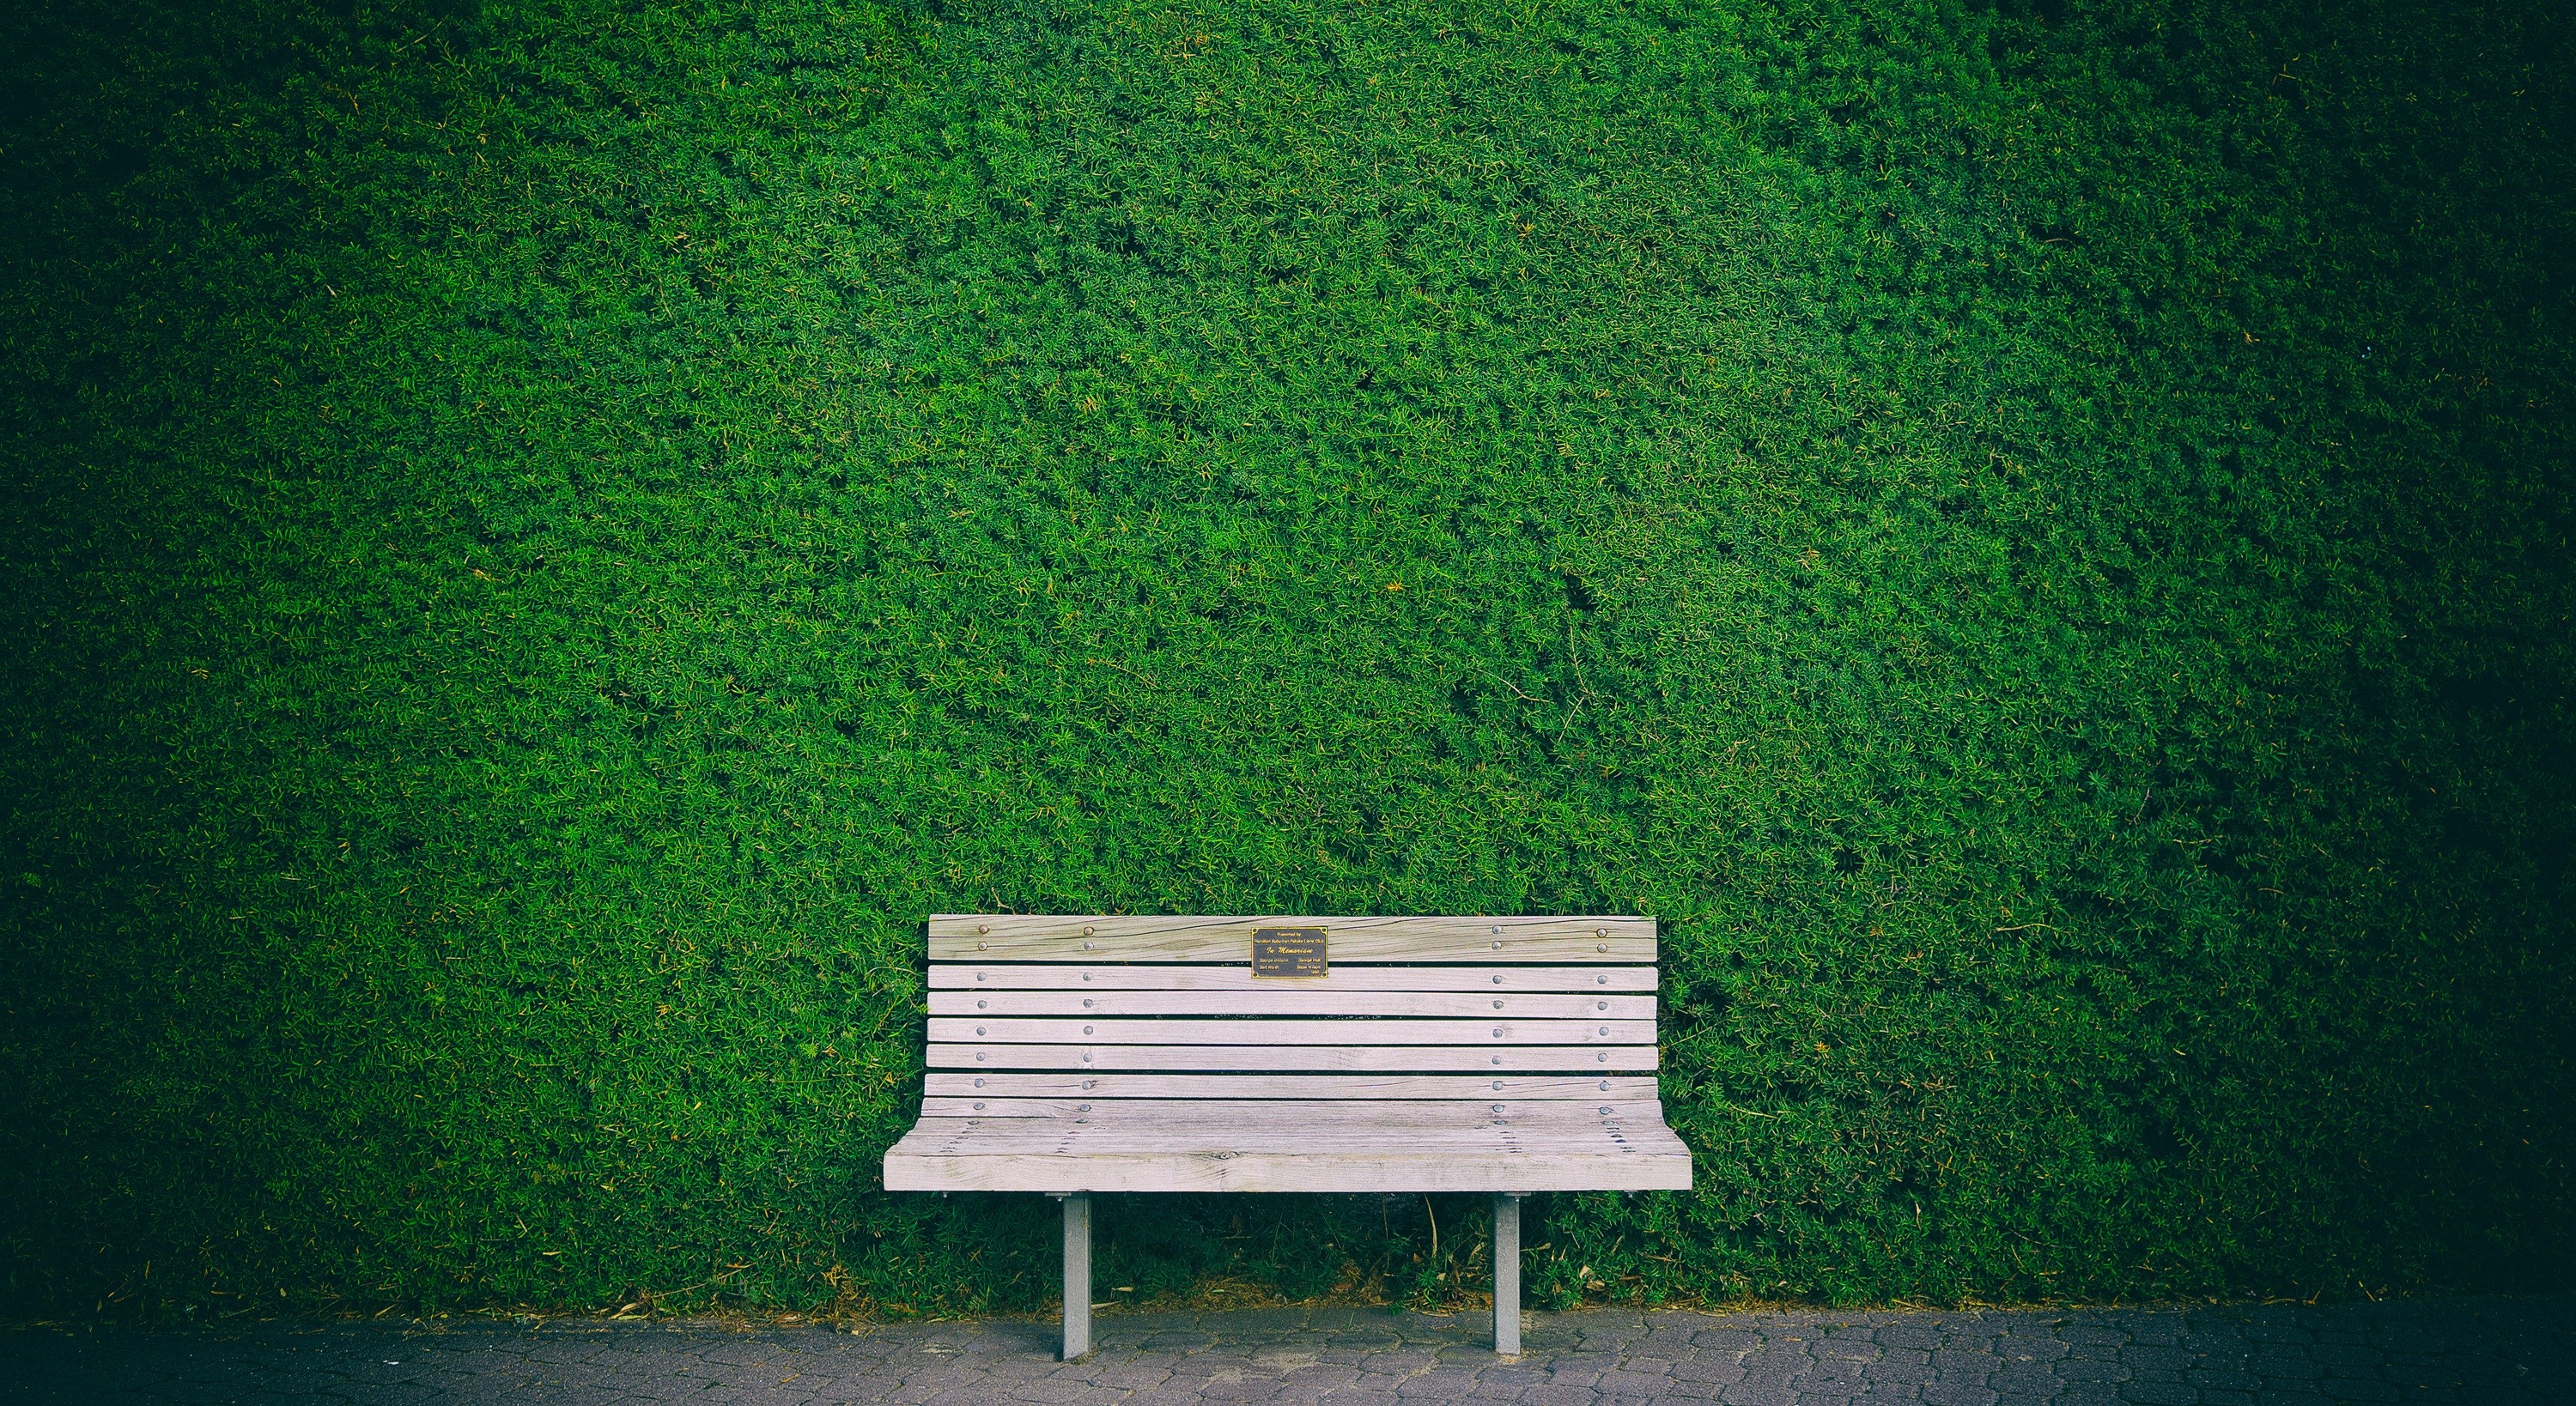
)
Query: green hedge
[{"x": 542, "y": 539}]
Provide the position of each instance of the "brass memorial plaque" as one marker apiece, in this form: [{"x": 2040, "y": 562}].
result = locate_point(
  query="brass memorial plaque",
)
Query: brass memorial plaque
[{"x": 1288, "y": 952}]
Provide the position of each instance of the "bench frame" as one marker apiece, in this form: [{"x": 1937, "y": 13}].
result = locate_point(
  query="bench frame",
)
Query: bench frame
[{"x": 1208, "y": 1076}]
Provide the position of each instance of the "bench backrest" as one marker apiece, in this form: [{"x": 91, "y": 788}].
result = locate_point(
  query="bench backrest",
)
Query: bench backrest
[{"x": 1037, "y": 1016}]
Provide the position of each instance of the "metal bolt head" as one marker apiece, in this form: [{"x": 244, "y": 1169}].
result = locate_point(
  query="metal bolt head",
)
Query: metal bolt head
[
  {"x": 1605, "y": 1110},
  {"x": 1498, "y": 1032},
  {"x": 1086, "y": 1003},
  {"x": 1087, "y": 1083},
  {"x": 1604, "y": 1056},
  {"x": 1086, "y": 932},
  {"x": 982, "y": 928},
  {"x": 1605, "y": 1030},
  {"x": 979, "y": 1105},
  {"x": 1498, "y": 978},
  {"x": 979, "y": 1005},
  {"x": 980, "y": 946},
  {"x": 1605, "y": 1086},
  {"x": 1497, "y": 1107},
  {"x": 1087, "y": 1030},
  {"x": 1604, "y": 947},
  {"x": 979, "y": 1056},
  {"x": 1497, "y": 1059},
  {"x": 1600, "y": 932},
  {"x": 1498, "y": 1005},
  {"x": 1601, "y": 1005},
  {"x": 1085, "y": 1108},
  {"x": 1498, "y": 947},
  {"x": 1498, "y": 1086},
  {"x": 979, "y": 1030},
  {"x": 1086, "y": 947},
  {"x": 979, "y": 1083}
]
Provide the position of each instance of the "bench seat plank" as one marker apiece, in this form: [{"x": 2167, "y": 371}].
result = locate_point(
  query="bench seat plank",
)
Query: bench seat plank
[
  {"x": 1050, "y": 976},
  {"x": 1393, "y": 1059},
  {"x": 1392, "y": 1031},
  {"x": 1409, "y": 1087},
  {"x": 1321, "y": 1153},
  {"x": 1280, "y": 1112},
  {"x": 1414, "y": 1170},
  {"x": 1157, "y": 1126}
]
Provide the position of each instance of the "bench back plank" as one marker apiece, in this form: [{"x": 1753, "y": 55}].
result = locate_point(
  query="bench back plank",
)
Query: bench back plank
[
  {"x": 979, "y": 975},
  {"x": 967, "y": 937},
  {"x": 1354, "y": 1059}
]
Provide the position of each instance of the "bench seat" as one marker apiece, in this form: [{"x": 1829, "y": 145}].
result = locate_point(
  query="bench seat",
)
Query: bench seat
[
  {"x": 1070, "y": 1055},
  {"x": 1155, "y": 1145}
]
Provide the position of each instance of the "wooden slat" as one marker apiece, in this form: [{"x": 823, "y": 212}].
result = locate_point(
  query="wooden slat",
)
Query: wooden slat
[
  {"x": 1240, "y": 1127},
  {"x": 1345, "y": 1172},
  {"x": 1243, "y": 1116},
  {"x": 1293, "y": 1032},
  {"x": 1000, "y": 937},
  {"x": 1049, "y": 976},
  {"x": 1392, "y": 1059},
  {"x": 1515, "y": 1088},
  {"x": 1091, "y": 1136},
  {"x": 1281, "y": 1131},
  {"x": 1023, "y": 1154},
  {"x": 1468, "y": 1005}
]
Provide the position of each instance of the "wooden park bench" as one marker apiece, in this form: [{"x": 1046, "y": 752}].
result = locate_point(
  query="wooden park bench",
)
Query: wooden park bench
[{"x": 1070, "y": 1055}]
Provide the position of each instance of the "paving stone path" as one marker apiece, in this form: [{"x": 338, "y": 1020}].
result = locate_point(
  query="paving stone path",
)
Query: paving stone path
[{"x": 2465, "y": 1351}]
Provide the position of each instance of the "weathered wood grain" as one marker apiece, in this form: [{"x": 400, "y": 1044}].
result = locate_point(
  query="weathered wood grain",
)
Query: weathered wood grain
[
  {"x": 1027, "y": 1154},
  {"x": 1104, "y": 1031},
  {"x": 1469, "y": 1005},
  {"x": 1055, "y": 1137},
  {"x": 1050, "y": 976},
  {"x": 1000, "y": 937},
  {"x": 1140, "y": 1054},
  {"x": 1242, "y": 1114},
  {"x": 1277, "y": 1171},
  {"x": 1514, "y": 1088},
  {"x": 1372, "y": 1126},
  {"x": 1208, "y": 1059}
]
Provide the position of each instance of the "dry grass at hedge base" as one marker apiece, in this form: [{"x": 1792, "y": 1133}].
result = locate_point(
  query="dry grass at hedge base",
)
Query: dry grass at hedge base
[{"x": 541, "y": 540}]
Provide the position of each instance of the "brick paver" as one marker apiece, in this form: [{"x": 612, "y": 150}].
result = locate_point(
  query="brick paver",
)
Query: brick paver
[{"x": 2448, "y": 1351}]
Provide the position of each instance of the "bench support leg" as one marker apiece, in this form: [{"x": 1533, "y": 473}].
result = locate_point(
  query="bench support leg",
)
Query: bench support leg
[
  {"x": 1507, "y": 1273},
  {"x": 1077, "y": 1274}
]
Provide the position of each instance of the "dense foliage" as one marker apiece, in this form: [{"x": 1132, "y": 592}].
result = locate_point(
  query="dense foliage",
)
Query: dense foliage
[{"x": 541, "y": 539}]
